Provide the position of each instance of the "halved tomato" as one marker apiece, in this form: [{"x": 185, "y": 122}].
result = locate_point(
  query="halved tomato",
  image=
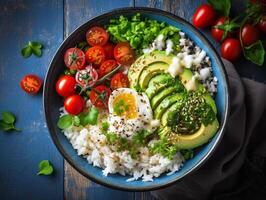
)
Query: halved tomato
[
  {"x": 97, "y": 36},
  {"x": 95, "y": 55},
  {"x": 87, "y": 76},
  {"x": 106, "y": 67},
  {"x": 119, "y": 80},
  {"x": 109, "y": 50},
  {"x": 124, "y": 54},
  {"x": 74, "y": 59},
  {"x": 31, "y": 83},
  {"x": 99, "y": 96}
]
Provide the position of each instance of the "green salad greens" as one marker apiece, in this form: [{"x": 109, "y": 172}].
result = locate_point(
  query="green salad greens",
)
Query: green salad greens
[{"x": 140, "y": 33}]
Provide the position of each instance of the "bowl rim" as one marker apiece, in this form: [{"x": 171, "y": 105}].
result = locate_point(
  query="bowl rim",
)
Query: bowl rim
[{"x": 220, "y": 130}]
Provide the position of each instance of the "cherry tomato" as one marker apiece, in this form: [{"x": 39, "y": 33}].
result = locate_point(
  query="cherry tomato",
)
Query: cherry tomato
[
  {"x": 74, "y": 104},
  {"x": 99, "y": 96},
  {"x": 109, "y": 50},
  {"x": 97, "y": 36},
  {"x": 249, "y": 34},
  {"x": 87, "y": 76},
  {"x": 95, "y": 55},
  {"x": 31, "y": 83},
  {"x": 119, "y": 80},
  {"x": 74, "y": 58},
  {"x": 65, "y": 86},
  {"x": 262, "y": 24},
  {"x": 124, "y": 54},
  {"x": 231, "y": 49},
  {"x": 106, "y": 67},
  {"x": 204, "y": 16},
  {"x": 217, "y": 33}
]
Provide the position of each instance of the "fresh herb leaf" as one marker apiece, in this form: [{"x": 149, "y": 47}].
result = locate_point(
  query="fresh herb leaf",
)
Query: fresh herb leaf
[
  {"x": 65, "y": 121},
  {"x": 105, "y": 126},
  {"x": 140, "y": 137},
  {"x": 221, "y": 6},
  {"x": 45, "y": 168},
  {"x": 90, "y": 117},
  {"x": 164, "y": 148},
  {"x": 32, "y": 48},
  {"x": 26, "y": 51},
  {"x": 6, "y": 127},
  {"x": 187, "y": 153},
  {"x": 255, "y": 53},
  {"x": 76, "y": 121},
  {"x": 120, "y": 107},
  {"x": 8, "y": 117},
  {"x": 111, "y": 137}
]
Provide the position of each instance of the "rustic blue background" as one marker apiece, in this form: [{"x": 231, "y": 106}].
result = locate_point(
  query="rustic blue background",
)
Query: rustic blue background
[{"x": 50, "y": 22}]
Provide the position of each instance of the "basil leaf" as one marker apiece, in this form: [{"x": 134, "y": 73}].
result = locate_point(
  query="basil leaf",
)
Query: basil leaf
[
  {"x": 90, "y": 117},
  {"x": 255, "y": 53},
  {"x": 8, "y": 117},
  {"x": 65, "y": 122},
  {"x": 6, "y": 127},
  {"x": 36, "y": 51},
  {"x": 221, "y": 6},
  {"x": 45, "y": 168},
  {"x": 37, "y": 45},
  {"x": 26, "y": 51},
  {"x": 76, "y": 120}
]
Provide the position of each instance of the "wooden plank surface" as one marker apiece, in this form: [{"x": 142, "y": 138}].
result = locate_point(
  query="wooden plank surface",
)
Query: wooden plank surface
[{"x": 20, "y": 153}]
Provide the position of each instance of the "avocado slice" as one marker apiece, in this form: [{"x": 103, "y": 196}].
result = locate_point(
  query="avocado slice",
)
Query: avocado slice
[
  {"x": 137, "y": 67},
  {"x": 200, "y": 137},
  {"x": 158, "y": 83},
  {"x": 151, "y": 71},
  {"x": 159, "y": 97},
  {"x": 165, "y": 104}
]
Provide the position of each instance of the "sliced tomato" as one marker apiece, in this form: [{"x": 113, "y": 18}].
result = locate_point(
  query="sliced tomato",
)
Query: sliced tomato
[
  {"x": 97, "y": 36},
  {"x": 65, "y": 86},
  {"x": 95, "y": 55},
  {"x": 99, "y": 96},
  {"x": 109, "y": 50},
  {"x": 31, "y": 83},
  {"x": 75, "y": 59},
  {"x": 74, "y": 104},
  {"x": 119, "y": 80},
  {"x": 124, "y": 54},
  {"x": 87, "y": 76},
  {"x": 106, "y": 67}
]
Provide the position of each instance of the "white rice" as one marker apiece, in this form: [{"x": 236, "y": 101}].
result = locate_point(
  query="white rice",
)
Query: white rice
[{"x": 92, "y": 145}]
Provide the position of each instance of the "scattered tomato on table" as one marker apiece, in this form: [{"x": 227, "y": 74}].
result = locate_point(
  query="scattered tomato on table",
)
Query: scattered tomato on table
[
  {"x": 204, "y": 16},
  {"x": 31, "y": 83},
  {"x": 231, "y": 49}
]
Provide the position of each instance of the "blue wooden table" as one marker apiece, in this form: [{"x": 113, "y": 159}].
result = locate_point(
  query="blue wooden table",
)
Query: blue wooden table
[{"x": 50, "y": 22}]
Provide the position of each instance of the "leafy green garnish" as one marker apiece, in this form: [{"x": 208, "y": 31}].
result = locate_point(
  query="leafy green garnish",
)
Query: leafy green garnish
[
  {"x": 255, "y": 53},
  {"x": 7, "y": 122},
  {"x": 45, "y": 168},
  {"x": 187, "y": 153},
  {"x": 32, "y": 48},
  {"x": 105, "y": 126},
  {"x": 140, "y": 137},
  {"x": 164, "y": 148},
  {"x": 120, "y": 107},
  {"x": 65, "y": 121},
  {"x": 111, "y": 137},
  {"x": 221, "y": 6}
]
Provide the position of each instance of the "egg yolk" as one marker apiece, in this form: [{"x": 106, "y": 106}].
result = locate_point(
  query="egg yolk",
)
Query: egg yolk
[{"x": 125, "y": 105}]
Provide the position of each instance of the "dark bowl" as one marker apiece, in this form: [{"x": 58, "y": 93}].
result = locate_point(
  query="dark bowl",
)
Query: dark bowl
[{"x": 52, "y": 102}]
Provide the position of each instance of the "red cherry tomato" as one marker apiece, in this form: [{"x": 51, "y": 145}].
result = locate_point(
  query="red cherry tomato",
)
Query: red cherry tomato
[
  {"x": 106, "y": 67},
  {"x": 87, "y": 76},
  {"x": 119, "y": 80},
  {"x": 74, "y": 104},
  {"x": 204, "y": 16},
  {"x": 249, "y": 34},
  {"x": 124, "y": 54},
  {"x": 99, "y": 96},
  {"x": 109, "y": 50},
  {"x": 262, "y": 24},
  {"x": 217, "y": 33},
  {"x": 97, "y": 36},
  {"x": 95, "y": 55},
  {"x": 31, "y": 83},
  {"x": 65, "y": 86},
  {"x": 74, "y": 58},
  {"x": 231, "y": 49}
]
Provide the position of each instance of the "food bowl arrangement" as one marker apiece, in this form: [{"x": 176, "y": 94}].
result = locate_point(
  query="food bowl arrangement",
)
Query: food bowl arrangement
[{"x": 136, "y": 98}]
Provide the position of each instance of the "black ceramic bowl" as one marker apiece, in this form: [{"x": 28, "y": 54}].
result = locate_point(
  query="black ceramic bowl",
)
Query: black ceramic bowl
[{"x": 52, "y": 102}]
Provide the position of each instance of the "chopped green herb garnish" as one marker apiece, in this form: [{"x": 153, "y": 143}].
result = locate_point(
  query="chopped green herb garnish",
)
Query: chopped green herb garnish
[
  {"x": 32, "y": 48},
  {"x": 105, "y": 126},
  {"x": 140, "y": 137},
  {"x": 120, "y": 107},
  {"x": 45, "y": 168},
  {"x": 187, "y": 153},
  {"x": 164, "y": 148},
  {"x": 111, "y": 137},
  {"x": 7, "y": 122}
]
